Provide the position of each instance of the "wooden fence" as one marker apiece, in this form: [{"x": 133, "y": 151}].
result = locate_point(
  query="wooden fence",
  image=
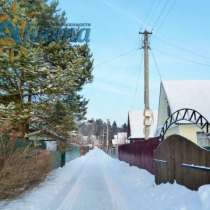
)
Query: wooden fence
[
  {"x": 139, "y": 153},
  {"x": 177, "y": 158},
  {"x": 84, "y": 150}
]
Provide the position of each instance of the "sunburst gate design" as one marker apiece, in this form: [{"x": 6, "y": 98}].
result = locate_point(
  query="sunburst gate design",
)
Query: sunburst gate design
[{"x": 186, "y": 114}]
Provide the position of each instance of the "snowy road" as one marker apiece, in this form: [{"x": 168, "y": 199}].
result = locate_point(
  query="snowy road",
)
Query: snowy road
[
  {"x": 90, "y": 188},
  {"x": 98, "y": 182}
]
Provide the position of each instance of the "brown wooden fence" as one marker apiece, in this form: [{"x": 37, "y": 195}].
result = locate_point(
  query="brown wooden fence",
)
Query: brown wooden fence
[
  {"x": 84, "y": 150},
  {"x": 177, "y": 158},
  {"x": 139, "y": 153}
]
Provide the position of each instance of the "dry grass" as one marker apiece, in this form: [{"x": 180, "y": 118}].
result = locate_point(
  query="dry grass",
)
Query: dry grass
[{"x": 22, "y": 170}]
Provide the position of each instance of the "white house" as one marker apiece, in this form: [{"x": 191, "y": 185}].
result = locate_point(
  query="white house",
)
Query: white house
[
  {"x": 176, "y": 95},
  {"x": 136, "y": 125},
  {"x": 120, "y": 138}
]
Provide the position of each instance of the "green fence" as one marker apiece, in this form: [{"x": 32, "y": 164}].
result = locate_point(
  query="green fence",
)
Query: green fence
[{"x": 72, "y": 153}]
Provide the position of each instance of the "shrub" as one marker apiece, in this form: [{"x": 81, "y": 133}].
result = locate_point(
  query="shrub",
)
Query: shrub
[{"x": 22, "y": 169}]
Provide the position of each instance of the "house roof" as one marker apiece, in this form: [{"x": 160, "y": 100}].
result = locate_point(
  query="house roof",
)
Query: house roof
[
  {"x": 194, "y": 94},
  {"x": 136, "y": 124}
]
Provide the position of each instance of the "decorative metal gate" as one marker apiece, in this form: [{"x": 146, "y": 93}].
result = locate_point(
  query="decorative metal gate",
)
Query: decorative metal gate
[{"x": 186, "y": 114}]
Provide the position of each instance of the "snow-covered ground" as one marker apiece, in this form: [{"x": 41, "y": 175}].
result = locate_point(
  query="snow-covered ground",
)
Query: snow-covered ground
[{"x": 98, "y": 182}]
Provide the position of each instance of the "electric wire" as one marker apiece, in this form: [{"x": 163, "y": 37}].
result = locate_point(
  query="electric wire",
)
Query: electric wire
[
  {"x": 151, "y": 13},
  {"x": 190, "y": 51},
  {"x": 162, "y": 21},
  {"x": 156, "y": 65},
  {"x": 123, "y": 12},
  {"x": 106, "y": 61},
  {"x": 181, "y": 58},
  {"x": 162, "y": 10}
]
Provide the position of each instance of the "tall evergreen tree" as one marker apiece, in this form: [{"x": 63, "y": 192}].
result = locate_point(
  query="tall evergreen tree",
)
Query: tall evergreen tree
[
  {"x": 114, "y": 129},
  {"x": 124, "y": 127},
  {"x": 40, "y": 82}
]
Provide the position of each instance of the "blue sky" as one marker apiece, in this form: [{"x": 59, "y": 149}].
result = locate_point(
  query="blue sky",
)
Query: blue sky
[{"x": 180, "y": 45}]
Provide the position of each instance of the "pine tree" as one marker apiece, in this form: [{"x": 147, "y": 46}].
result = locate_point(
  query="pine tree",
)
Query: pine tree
[
  {"x": 114, "y": 129},
  {"x": 40, "y": 82}
]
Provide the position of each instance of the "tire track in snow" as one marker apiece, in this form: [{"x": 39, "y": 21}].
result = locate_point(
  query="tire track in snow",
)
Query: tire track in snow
[
  {"x": 90, "y": 190},
  {"x": 118, "y": 199},
  {"x": 73, "y": 193},
  {"x": 72, "y": 181}
]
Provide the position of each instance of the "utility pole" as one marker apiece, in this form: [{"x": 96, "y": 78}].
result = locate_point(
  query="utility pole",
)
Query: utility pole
[
  {"x": 148, "y": 116},
  {"x": 107, "y": 135},
  {"x": 103, "y": 138}
]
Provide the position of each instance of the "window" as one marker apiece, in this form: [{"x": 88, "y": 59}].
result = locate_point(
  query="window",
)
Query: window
[{"x": 203, "y": 139}]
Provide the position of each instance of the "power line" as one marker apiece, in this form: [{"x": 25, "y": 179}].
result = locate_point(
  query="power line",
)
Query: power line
[
  {"x": 162, "y": 10},
  {"x": 151, "y": 13},
  {"x": 183, "y": 59},
  {"x": 117, "y": 57},
  {"x": 170, "y": 7},
  {"x": 156, "y": 65},
  {"x": 121, "y": 11},
  {"x": 181, "y": 48}
]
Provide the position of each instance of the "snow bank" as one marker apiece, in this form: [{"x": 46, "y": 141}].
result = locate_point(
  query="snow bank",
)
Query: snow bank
[
  {"x": 49, "y": 193},
  {"x": 98, "y": 182}
]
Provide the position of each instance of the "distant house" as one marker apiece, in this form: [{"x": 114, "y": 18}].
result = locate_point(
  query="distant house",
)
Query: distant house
[
  {"x": 120, "y": 138},
  {"x": 136, "y": 127},
  {"x": 175, "y": 95}
]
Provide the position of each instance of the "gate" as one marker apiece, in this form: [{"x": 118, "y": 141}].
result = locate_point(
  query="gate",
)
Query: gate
[
  {"x": 178, "y": 159},
  {"x": 185, "y": 114}
]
